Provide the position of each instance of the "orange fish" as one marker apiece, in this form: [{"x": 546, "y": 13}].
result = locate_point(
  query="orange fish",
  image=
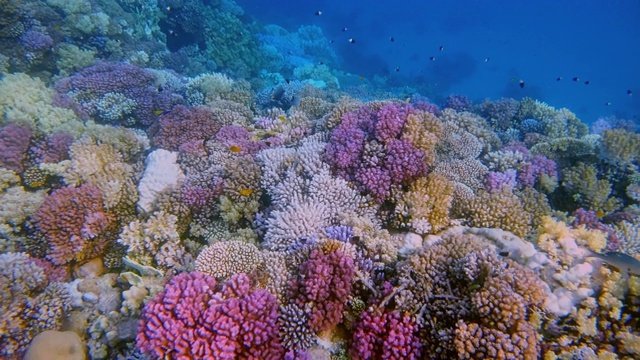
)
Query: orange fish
[
  {"x": 235, "y": 148},
  {"x": 246, "y": 192}
]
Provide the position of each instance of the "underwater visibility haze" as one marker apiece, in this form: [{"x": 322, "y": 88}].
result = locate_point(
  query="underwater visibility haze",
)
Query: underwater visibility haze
[{"x": 220, "y": 179}]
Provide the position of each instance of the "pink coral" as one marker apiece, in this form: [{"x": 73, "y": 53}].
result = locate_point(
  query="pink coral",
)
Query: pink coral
[
  {"x": 194, "y": 318},
  {"x": 183, "y": 124},
  {"x": 385, "y": 336},
  {"x": 14, "y": 142},
  {"x": 323, "y": 286},
  {"x": 71, "y": 219}
]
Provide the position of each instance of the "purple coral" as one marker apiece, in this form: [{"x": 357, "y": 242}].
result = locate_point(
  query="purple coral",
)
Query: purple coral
[
  {"x": 498, "y": 180},
  {"x": 323, "y": 287},
  {"x": 194, "y": 318},
  {"x": 385, "y": 336},
  {"x": 404, "y": 161},
  {"x": 101, "y": 91},
  {"x": 71, "y": 219},
  {"x": 36, "y": 41},
  {"x": 390, "y": 121},
  {"x": 367, "y": 148},
  {"x": 458, "y": 103},
  {"x": 183, "y": 125},
  {"x": 531, "y": 172},
  {"x": 590, "y": 220},
  {"x": 54, "y": 148},
  {"x": 14, "y": 142}
]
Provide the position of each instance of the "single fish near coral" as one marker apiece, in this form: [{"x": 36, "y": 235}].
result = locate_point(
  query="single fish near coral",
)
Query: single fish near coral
[
  {"x": 235, "y": 148},
  {"x": 246, "y": 192},
  {"x": 620, "y": 261}
]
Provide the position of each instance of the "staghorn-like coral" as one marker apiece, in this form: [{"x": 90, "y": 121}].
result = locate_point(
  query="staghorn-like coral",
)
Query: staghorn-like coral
[
  {"x": 458, "y": 288},
  {"x": 194, "y": 317}
]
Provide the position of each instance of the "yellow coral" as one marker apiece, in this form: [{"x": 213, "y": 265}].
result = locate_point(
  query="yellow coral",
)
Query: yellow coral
[
  {"x": 428, "y": 200},
  {"x": 101, "y": 165},
  {"x": 500, "y": 209},
  {"x": 424, "y": 129},
  {"x": 26, "y": 100}
]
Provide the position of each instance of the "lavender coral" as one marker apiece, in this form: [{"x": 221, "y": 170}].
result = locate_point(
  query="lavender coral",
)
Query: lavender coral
[
  {"x": 196, "y": 318},
  {"x": 115, "y": 93},
  {"x": 14, "y": 142}
]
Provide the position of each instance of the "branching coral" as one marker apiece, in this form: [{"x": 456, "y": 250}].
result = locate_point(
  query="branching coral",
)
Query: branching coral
[
  {"x": 500, "y": 209},
  {"x": 28, "y": 304},
  {"x": 322, "y": 287},
  {"x": 470, "y": 301},
  {"x": 194, "y": 317},
  {"x": 588, "y": 190},
  {"x": 155, "y": 242},
  {"x": 74, "y": 222},
  {"x": 426, "y": 204}
]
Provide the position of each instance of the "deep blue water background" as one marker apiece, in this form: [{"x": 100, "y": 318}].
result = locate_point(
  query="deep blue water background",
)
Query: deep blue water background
[{"x": 536, "y": 41}]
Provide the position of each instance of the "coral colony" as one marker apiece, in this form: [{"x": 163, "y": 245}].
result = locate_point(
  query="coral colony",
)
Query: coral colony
[{"x": 194, "y": 203}]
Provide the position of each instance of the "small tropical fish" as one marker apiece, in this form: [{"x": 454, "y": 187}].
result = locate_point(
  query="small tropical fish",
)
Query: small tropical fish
[
  {"x": 282, "y": 118},
  {"x": 344, "y": 29},
  {"x": 487, "y": 59},
  {"x": 441, "y": 47},
  {"x": 620, "y": 261},
  {"x": 161, "y": 112},
  {"x": 361, "y": 77},
  {"x": 521, "y": 83},
  {"x": 559, "y": 78},
  {"x": 392, "y": 39},
  {"x": 246, "y": 192},
  {"x": 168, "y": 8},
  {"x": 235, "y": 148},
  {"x": 318, "y": 13},
  {"x": 407, "y": 100},
  {"x": 600, "y": 214},
  {"x": 576, "y": 79},
  {"x": 629, "y": 92},
  {"x": 587, "y": 82},
  {"x": 608, "y": 103},
  {"x": 397, "y": 69},
  {"x": 432, "y": 58},
  {"x": 352, "y": 40}
]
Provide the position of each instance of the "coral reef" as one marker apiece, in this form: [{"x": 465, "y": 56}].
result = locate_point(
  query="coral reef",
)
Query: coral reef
[{"x": 194, "y": 316}]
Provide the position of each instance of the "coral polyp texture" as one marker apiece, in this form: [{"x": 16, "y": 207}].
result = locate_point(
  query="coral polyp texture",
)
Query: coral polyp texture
[
  {"x": 195, "y": 317},
  {"x": 181, "y": 181}
]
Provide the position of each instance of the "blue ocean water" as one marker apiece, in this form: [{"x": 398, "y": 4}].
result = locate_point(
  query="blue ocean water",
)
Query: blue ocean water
[{"x": 533, "y": 41}]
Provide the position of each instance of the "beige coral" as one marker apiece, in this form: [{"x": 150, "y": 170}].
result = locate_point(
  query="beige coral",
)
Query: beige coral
[{"x": 226, "y": 258}]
